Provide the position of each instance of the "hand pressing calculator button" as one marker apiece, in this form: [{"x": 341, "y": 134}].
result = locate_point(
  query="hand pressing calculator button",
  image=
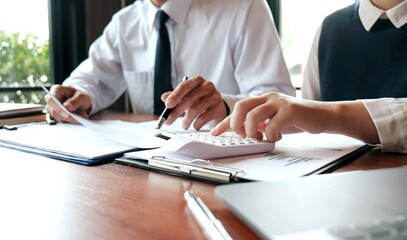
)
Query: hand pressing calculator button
[{"x": 204, "y": 145}]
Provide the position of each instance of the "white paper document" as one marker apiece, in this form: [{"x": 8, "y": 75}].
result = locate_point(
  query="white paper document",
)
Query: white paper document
[
  {"x": 63, "y": 138},
  {"x": 63, "y": 141}
]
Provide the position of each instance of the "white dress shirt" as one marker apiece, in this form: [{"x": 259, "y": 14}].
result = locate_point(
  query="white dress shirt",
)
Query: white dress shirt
[
  {"x": 388, "y": 114},
  {"x": 234, "y": 44}
]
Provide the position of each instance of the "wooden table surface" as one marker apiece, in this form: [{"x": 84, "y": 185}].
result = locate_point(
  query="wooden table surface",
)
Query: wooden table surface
[{"x": 42, "y": 198}]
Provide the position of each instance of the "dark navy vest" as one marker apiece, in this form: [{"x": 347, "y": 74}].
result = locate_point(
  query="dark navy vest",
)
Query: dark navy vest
[{"x": 356, "y": 64}]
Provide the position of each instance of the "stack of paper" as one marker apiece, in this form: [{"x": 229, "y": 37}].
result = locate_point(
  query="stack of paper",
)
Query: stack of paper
[{"x": 18, "y": 113}]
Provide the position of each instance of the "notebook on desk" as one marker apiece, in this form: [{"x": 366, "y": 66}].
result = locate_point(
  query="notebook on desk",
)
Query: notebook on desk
[{"x": 357, "y": 205}]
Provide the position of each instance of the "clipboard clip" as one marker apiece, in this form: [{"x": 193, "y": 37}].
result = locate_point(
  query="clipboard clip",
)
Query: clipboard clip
[{"x": 200, "y": 167}]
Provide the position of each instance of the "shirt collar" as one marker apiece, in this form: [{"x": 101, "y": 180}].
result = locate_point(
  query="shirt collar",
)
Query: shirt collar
[
  {"x": 176, "y": 9},
  {"x": 369, "y": 14},
  {"x": 398, "y": 14}
]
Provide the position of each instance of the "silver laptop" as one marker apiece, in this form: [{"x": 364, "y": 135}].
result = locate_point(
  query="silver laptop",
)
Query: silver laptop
[{"x": 357, "y": 205}]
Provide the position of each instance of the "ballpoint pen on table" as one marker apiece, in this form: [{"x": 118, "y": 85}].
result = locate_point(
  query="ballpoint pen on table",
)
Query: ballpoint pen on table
[
  {"x": 212, "y": 227},
  {"x": 166, "y": 112}
]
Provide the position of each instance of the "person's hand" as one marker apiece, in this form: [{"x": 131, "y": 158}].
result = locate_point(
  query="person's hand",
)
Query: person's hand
[
  {"x": 74, "y": 101},
  {"x": 275, "y": 114},
  {"x": 199, "y": 99}
]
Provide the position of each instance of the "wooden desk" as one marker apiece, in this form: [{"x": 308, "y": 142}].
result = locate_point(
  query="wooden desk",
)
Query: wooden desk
[{"x": 43, "y": 198}]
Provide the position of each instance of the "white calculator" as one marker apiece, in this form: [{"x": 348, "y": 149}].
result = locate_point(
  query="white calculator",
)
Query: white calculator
[{"x": 204, "y": 145}]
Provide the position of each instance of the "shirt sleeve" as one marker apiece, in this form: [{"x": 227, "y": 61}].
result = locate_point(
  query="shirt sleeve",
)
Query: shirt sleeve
[
  {"x": 390, "y": 118},
  {"x": 100, "y": 76},
  {"x": 258, "y": 58},
  {"x": 310, "y": 86}
]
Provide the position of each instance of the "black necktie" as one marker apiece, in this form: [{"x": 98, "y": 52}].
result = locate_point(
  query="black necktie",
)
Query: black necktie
[{"x": 162, "y": 69}]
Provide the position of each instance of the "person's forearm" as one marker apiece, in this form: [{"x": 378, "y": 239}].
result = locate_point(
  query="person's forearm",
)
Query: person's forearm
[{"x": 352, "y": 119}]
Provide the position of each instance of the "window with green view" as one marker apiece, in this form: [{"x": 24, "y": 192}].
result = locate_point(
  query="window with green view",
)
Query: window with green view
[{"x": 24, "y": 50}]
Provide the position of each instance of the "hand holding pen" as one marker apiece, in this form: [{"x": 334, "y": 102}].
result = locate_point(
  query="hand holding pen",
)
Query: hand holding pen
[
  {"x": 167, "y": 111},
  {"x": 199, "y": 100}
]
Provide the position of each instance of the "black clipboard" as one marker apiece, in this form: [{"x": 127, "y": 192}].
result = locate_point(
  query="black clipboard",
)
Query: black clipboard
[
  {"x": 340, "y": 162},
  {"x": 142, "y": 160}
]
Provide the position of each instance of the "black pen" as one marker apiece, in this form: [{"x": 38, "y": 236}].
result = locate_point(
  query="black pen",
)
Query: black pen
[
  {"x": 166, "y": 112},
  {"x": 49, "y": 120}
]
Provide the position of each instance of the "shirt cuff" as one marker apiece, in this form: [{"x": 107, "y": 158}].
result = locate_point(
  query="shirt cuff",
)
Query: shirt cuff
[
  {"x": 390, "y": 118},
  {"x": 230, "y": 100}
]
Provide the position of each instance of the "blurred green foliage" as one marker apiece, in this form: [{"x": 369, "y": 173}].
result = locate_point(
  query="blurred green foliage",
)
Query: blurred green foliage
[{"x": 24, "y": 62}]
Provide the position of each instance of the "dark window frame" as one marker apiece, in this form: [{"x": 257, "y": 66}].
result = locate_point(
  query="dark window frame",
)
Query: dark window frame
[
  {"x": 74, "y": 25},
  {"x": 67, "y": 37}
]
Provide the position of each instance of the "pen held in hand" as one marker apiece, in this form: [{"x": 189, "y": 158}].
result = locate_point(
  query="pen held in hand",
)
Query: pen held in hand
[
  {"x": 57, "y": 102},
  {"x": 166, "y": 113},
  {"x": 49, "y": 120}
]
